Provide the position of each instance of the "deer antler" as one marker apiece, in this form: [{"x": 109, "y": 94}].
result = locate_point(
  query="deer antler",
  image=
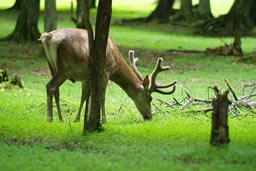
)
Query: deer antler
[
  {"x": 133, "y": 64},
  {"x": 155, "y": 86}
]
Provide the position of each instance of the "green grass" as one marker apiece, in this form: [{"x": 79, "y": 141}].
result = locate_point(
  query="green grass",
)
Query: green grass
[{"x": 173, "y": 140}]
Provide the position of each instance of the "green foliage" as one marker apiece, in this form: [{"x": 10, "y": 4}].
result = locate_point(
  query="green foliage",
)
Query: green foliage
[{"x": 173, "y": 140}]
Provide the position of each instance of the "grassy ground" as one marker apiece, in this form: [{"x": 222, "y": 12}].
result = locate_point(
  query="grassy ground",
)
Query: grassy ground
[{"x": 173, "y": 140}]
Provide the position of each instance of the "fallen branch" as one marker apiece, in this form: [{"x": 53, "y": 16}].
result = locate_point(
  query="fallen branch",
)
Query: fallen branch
[{"x": 237, "y": 107}]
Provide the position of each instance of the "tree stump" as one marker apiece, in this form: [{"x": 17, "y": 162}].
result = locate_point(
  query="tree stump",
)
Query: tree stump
[{"x": 220, "y": 132}]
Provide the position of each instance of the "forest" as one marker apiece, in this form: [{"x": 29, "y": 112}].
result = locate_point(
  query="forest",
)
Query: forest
[{"x": 171, "y": 88}]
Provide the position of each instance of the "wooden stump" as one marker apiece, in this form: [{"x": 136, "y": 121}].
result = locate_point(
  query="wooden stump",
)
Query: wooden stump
[{"x": 219, "y": 132}]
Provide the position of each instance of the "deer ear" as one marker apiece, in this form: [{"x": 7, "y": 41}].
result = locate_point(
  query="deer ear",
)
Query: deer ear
[{"x": 146, "y": 82}]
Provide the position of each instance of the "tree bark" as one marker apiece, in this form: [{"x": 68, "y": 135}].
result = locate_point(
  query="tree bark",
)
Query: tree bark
[
  {"x": 220, "y": 132},
  {"x": 96, "y": 65},
  {"x": 79, "y": 19},
  {"x": 241, "y": 16},
  {"x": 50, "y": 17},
  {"x": 26, "y": 27},
  {"x": 204, "y": 10},
  {"x": 162, "y": 11},
  {"x": 186, "y": 9}
]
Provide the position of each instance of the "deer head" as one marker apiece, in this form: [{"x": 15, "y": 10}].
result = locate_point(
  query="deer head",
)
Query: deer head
[{"x": 143, "y": 98}]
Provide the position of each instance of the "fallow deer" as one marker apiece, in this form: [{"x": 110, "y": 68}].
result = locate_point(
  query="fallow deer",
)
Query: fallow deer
[{"x": 67, "y": 55}]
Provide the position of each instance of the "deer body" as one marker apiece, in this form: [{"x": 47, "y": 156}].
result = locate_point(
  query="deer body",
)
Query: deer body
[{"x": 67, "y": 54}]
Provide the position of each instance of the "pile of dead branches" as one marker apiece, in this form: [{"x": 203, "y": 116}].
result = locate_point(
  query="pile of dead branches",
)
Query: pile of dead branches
[{"x": 239, "y": 107}]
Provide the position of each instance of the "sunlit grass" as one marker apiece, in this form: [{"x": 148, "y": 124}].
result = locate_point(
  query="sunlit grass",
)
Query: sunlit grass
[{"x": 161, "y": 40}]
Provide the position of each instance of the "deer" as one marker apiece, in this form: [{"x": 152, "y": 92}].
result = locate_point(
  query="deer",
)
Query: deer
[{"x": 67, "y": 54}]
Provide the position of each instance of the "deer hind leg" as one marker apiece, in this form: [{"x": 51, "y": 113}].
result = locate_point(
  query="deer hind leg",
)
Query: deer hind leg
[
  {"x": 83, "y": 98},
  {"x": 56, "y": 94},
  {"x": 52, "y": 88},
  {"x": 57, "y": 101}
]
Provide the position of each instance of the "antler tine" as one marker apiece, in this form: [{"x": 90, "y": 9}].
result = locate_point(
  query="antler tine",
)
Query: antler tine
[
  {"x": 166, "y": 92},
  {"x": 133, "y": 64},
  {"x": 155, "y": 87}
]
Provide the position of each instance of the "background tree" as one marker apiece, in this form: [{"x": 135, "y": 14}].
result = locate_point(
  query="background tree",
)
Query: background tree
[
  {"x": 162, "y": 11},
  {"x": 204, "y": 10},
  {"x": 186, "y": 9},
  {"x": 79, "y": 19},
  {"x": 239, "y": 21},
  {"x": 26, "y": 26},
  {"x": 50, "y": 16},
  {"x": 240, "y": 17},
  {"x": 97, "y": 53}
]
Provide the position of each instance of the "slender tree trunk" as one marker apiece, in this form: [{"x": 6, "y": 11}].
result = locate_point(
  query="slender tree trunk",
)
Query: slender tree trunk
[
  {"x": 26, "y": 27},
  {"x": 186, "y": 9},
  {"x": 237, "y": 30},
  {"x": 79, "y": 19},
  {"x": 162, "y": 11},
  {"x": 50, "y": 17},
  {"x": 97, "y": 48},
  {"x": 204, "y": 10}
]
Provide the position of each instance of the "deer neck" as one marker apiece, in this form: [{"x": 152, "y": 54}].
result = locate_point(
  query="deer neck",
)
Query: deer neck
[{"x": 126, "y": 79}]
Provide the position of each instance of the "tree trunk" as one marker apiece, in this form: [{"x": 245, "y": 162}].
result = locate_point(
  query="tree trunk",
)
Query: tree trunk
[
  {"x": 162, "y": 11},
  {"x": 79, "y": 20},
  {"x": 97, "y": 48},
  {"x": 26, "y": 27},
  {"x": 16, "y": 6},
  {"x": 241, "y": 16},
  {"x": 50, "y": 17},
  {"x": 93, "y": 4},
  {"x": 186, "y": 9},
  {"x": 220, "y": 132},
  {"x": 204, "y": 10}
]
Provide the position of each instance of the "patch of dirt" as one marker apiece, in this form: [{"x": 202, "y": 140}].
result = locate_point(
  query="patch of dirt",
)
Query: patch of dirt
[{"x": 41, "y": 71}]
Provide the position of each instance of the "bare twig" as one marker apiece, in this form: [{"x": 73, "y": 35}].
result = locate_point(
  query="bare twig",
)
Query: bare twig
[
  {"x": 239, "y": 108},
  {"x": 231, "y": 89}
]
